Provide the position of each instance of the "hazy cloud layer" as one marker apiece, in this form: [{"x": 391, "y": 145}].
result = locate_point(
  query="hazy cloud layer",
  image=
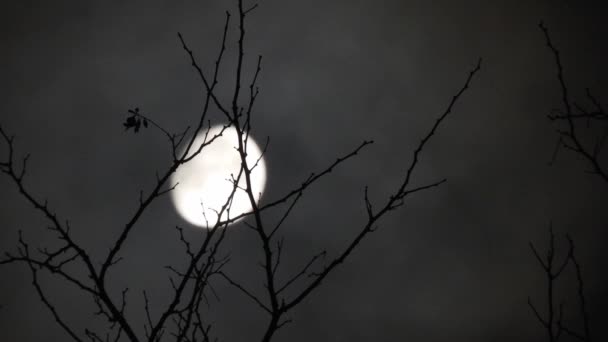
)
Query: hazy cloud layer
[{"x": 452, "y": 265}]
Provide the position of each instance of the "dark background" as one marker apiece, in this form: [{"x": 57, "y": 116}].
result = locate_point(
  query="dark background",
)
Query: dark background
[{"x": 453, "y": 265}]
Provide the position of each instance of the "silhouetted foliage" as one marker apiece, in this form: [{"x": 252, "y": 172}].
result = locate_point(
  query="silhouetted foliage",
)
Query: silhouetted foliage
[{"x": 135, "y": 120}]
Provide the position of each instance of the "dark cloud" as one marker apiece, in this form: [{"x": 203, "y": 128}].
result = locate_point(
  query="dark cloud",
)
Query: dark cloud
[{"x": 452, "y": 265}]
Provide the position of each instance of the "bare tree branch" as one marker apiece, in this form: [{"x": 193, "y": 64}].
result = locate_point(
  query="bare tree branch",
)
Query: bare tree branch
[
  {"x": 570, "y": 138},
  {"x": 182, "y": 318}
]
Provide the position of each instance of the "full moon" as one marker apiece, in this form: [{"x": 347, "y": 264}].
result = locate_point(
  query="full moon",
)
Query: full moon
[{"x": 205, "y": 182}]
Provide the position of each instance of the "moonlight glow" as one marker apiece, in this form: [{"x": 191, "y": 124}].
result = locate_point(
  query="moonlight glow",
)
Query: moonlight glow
[{"x": 205, "y": 182}]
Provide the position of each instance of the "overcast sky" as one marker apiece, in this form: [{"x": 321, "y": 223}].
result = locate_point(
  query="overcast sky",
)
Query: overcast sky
[{"x": 452, "y": 265}]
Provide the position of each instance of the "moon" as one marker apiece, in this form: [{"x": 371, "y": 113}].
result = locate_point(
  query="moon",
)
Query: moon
[{"x": 204, "y": 184}]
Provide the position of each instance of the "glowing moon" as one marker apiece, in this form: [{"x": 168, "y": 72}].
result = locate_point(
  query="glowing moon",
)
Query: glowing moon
[{"x": 205, "y": 182}]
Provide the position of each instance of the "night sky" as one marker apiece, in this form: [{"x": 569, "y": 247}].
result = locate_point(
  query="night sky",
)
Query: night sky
[{"x": 453, "y": 264}]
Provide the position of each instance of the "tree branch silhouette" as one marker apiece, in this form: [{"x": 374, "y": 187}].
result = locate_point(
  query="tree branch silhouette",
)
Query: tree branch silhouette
[
  {"x": 569, "y": 138},
  {"x": 182, "y": 317}
]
